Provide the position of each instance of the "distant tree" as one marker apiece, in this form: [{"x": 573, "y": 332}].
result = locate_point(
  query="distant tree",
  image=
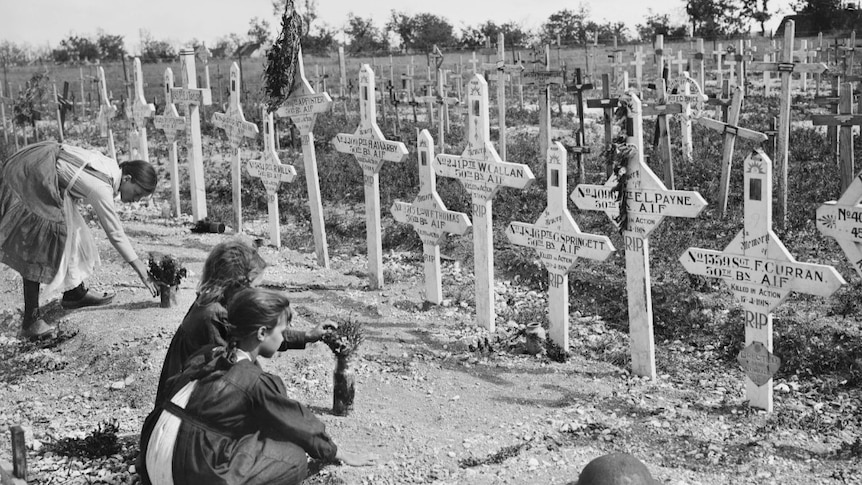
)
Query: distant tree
[
  {"x": 403, "y": 26},
  {"x": 74, "y": 48},
  {"x": 258, "y": 31},
  {"x": 321, "y": 42},
  {"x": 363, "y": 35},
  {"x": 659, "y": 24},
  {"x": 824, "y": 13},
  {"x": 565, "y": 25},
  {"x": 431, "y": 30},
  {"x": 758, "y": 12},
  {"x": 713, "y": 18},
  {"x": 153, "y": 50},
  {"x": 471, "y": 38},
  {"x": 516, "y": 35},
  {"x": 12, "y": 54},
  {"x": 111, "y": 47}
]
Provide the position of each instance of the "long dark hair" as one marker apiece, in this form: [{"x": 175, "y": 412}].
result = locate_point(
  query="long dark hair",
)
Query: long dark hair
[
  {"x": 253, "y": 308},
  {"x": 231, "y": 266},
  {"x": 142, "y": 173}
]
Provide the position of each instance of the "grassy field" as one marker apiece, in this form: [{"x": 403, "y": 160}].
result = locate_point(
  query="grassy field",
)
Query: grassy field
[{"x": 16, "y": 77}]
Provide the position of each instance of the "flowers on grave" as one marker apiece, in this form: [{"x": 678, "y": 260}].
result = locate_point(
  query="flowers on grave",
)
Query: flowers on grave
[
  {"x": 343, "y": 342},
  {"x": 619, "y": 153},
  {"x": 167, "y": 273},
  {"x": 166, "y": 270},
  {"x": 281, "y": 59}
]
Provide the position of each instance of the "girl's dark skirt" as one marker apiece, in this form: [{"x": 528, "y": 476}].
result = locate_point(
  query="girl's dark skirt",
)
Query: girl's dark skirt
[{"x": 32, "y": 225}]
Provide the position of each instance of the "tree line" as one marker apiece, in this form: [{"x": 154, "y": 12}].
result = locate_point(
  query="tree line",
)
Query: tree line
[{"x": 418, "y": 33}]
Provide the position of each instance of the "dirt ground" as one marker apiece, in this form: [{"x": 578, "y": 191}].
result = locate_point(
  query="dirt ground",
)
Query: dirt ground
[{"x": 431, "y": 405}]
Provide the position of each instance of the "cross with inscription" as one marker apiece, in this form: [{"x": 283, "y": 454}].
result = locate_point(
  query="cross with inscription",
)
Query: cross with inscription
[
  {"x": 786, "y": 67},
  {"x": 430, "y": 218},
  {"x": 647, "y": 202},
  {"x": 559, "y": 242},
  {"x": 608, "y": 105},
  {"x": 371, "y": 149},
  {"x": 191, "y": 98},
  {"x": 272, "y": 173},
  {"x": 107, "y": 112},
  {"x": 760, "y": 271},
  {"x": 302, "y": 107},
  {"x": 731, "y": 130},
  {"x": 171, "y": 123},
  {"x": 236, "y": 128},
  {"x": 482, "y": 172},
  {"x": 846, "y": 120},
  {"x": 842, "y": 220}
]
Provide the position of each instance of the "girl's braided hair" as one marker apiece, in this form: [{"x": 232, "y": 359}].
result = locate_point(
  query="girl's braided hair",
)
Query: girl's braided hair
[
  {"x": 230, "y": 267},
  {"x": 251, "y": 309}
]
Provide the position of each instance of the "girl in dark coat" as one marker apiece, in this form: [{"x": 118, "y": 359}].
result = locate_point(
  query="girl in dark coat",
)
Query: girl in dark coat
[
  {"x": 226, "y": 421},
  {"x": 230, "y": 267}
]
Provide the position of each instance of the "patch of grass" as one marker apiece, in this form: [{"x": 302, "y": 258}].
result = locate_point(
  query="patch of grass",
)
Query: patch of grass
[{"x": 100, "y": 442}]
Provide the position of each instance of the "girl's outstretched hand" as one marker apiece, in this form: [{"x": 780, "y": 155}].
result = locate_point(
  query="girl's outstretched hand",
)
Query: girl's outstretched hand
[{"x": 355, "y": 459}]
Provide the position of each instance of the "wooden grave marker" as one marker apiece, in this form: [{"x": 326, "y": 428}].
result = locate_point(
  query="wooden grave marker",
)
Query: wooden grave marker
[
  {"x": 272, "y": 173},
  {"x": 236, "y": 128},
  {"x": 302, "y": 107},
  {"x": 370, "y": 149},
  {"x": 845, "y": 120},
  {"x": 731, "y": 131},
  {"x": 697, "y": 66},
  {"x": 140, "y": 111},
  {"x": 842, "y": 220},
  {"x": 638, "y": 64},
  {"x": 647, "y": 202},
  {"x": 430, "y": 218},
  {"x": 482, "y": 172},
  {"x": 718, "y": 54},
  {"x": 107, "y": 112},
  {"x": 608, "y": 105},
  {"x": 502, "y": 70},
  {"x": 579, "y": 87},
  {"x": 443, "y": 102},
  {"x": 191, "y": 98},
  {"x": 543, "y": 80},
  {"x": 680, "y": 91},
  {"x": 661, "y": 108},
  {"x": 785, "y": 67},
  {"x": 559, "y": 242},
  {"x": 658, "y": 56},
  {"x": 760, "y": 272},
  {"x": 171, "y": 123}
]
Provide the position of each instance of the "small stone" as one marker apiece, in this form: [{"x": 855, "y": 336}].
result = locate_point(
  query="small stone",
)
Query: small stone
[
  {"x": 533, "y": 463},
  {"x": 451, "y": 454}
]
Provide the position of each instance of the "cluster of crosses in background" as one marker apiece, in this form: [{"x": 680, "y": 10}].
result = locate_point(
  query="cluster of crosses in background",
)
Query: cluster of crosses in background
[{"x": 758, "y": 268}]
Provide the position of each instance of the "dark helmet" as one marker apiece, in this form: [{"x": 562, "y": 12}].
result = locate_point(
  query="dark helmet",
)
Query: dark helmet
[{"x": 616, "y": 469}]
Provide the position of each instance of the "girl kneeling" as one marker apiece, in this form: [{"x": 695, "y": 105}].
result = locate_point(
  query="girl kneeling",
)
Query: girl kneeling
[{"x": 224, "y": 420}]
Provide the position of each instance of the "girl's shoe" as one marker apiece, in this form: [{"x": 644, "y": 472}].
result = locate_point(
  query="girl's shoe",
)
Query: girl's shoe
[
  {"x": 89, "y": 299},
  {"x": 34, "y": 328}
]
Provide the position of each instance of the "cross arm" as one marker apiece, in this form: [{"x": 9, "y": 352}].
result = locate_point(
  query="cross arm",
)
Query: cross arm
[
  {"x": 732, "y": 129},
  {"x": 836, "y": 120}
]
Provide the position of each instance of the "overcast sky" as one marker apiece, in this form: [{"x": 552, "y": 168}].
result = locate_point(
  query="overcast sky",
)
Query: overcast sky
[{"x": 41, "y": 22}]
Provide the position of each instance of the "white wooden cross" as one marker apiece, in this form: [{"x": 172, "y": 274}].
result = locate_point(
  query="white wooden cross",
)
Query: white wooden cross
[
  {"x": 698, "y": 64},
  {"x": 543, "y": 81},
  {"x": 647, "y": 202},
  {"x": 559, "y": 242},
  {"x": 482, "y": 172},
  {"x": 679, "y": 62},
  {"x": 302, "y": 107},
  {"x": 718, "y": 54},
  {"x": 661, "y": 109},
  {"x": 760, "y": 271},
  {"x": 659, "y": 55},
  {"x": 371, "y": 149},
  {"x": 731, "y": 130},
  {"x": 192, "y": 98},
  {"x": 786, "y": 67},
  {"x": 171, "y": 123},
  {"x": 430, "y": 218},
  {"x": 140, "y": 111},
  {"x": 684, "y": 85},
  {"x": 842, "y": 220},
  {"x": 272, "y": 173},
  {"x": 638, "y": 63},
  {"x": 236, "y": 128},
  {"x": 502, "y": 70},
  {"x": 107, "y": 112}
]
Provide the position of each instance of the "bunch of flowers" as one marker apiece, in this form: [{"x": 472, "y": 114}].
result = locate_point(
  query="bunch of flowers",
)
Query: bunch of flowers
[
  {"x": 344, "y": 340},
  {"x": 166, "y": 270}
]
